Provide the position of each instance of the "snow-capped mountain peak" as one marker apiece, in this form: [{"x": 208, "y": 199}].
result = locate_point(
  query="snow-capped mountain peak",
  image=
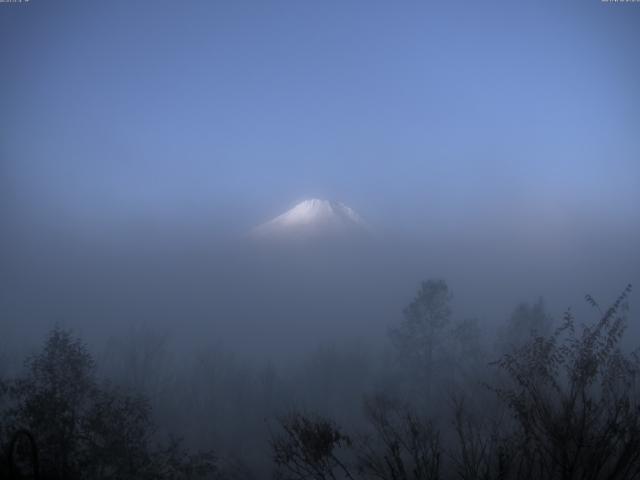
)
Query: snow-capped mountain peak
[{"x": 314, "y": 216}]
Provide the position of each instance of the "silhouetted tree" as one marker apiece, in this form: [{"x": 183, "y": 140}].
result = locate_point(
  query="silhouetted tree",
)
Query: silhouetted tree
[
  {"x": 83, "y": 430},
  {"x": 575, "y": 402},
  {"x": 466, "y": 354},
  {"x": 53, "y": 399},
  {"x": 402, "y": 446},
  {"x": 398, "y": 446},
  {"x": 484, "y": 452},
  {"x": 421, "y": 333},
  {"x": 308, "y": 447},
  {"x": 525, "y": 323}
]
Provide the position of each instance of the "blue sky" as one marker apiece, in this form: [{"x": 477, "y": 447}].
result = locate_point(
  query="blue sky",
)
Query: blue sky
[{"x": 410, "y": 111}]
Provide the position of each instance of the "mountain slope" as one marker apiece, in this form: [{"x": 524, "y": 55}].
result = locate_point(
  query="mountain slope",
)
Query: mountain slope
[{"x": 313, "y": 217}]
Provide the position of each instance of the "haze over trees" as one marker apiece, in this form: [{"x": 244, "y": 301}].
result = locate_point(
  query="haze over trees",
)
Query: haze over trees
[
  {"x": 79, "y": 427},
  {"x": 570, "y": 411},
  {"x": 557, "y": 402}
]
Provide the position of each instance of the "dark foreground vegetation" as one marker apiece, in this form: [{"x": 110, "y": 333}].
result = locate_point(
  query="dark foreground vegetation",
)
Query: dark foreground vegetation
[{"x": 543, "y": 400}]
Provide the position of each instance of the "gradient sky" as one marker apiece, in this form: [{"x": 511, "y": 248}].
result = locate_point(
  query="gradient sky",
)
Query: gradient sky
[{"x": 407, "y": 111}]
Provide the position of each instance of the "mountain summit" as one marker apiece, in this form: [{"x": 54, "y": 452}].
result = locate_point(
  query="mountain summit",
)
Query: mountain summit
[{"x": 313, "y": 217}]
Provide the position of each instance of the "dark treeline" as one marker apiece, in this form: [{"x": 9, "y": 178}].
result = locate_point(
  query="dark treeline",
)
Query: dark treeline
[{"x": 540, "y": 399}]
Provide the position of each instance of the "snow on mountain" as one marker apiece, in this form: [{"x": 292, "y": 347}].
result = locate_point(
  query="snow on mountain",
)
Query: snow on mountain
[{"x": 313, "y": 217}]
